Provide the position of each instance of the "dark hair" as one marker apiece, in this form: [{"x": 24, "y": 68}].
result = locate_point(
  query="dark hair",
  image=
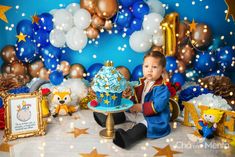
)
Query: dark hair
[{"x": 157, "y": 54}]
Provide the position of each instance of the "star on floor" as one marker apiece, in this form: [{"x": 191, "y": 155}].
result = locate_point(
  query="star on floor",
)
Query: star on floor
[
  {"x": 192, "y": 26},
  {"x": 77, "y": 132},
  {"x": 166, "y": 151},
  {"x": 4, "y": 147},
  {"x": 93, "y": 153},
  {"x": 21, "y": 37},
  {"x": 231, "y": 9},
  {"x": 3, "y": 10}
]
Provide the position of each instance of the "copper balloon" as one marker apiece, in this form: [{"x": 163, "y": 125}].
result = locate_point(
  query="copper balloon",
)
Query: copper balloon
[
  {"x": 97, "y": 22},
  {"x": 201, "y": 36},
  {"x": 108, "y": 25},
  {"x": 6, "y": 68},
  {"x": 34, "y": 68},
  {"x": 125, "y": 72},
  {"x": 183, "y": 33},
  {"x": 92, "y": 33},
  {"x": 181, "y": 66},
  {"x": 88, "y": 5},
  {"x": 18, "y": 68},
  {"x": 65, "y": 67},
  {"x": 27, "y": 79},
  {"x": 106, "y": 8},
  {"x": 8, "y": 54},
  {"x": 76, "y": 71},
  {"x": 186, "y": 54},
  {"x": 44, "y": 74}
]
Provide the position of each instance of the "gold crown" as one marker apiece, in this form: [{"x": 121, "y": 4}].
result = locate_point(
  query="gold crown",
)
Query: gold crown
[{"x": 108, "y": 63}]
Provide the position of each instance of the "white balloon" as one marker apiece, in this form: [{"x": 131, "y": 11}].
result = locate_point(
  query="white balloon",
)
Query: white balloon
[
  {"x": 158, "y": 39},
  {"x": 63, "y": 19},
  {"x": 76, "y": 39},
  {"x": 156, "y": 6},
  {"x": 151, "y": 23},
  {"x": 140, "y": 41},
  {"x": 57, "y": 38},
  {"x": 82, "y": 19},
  {"x": 53, "y": 11},
  {"x": 73, "y": 7}
]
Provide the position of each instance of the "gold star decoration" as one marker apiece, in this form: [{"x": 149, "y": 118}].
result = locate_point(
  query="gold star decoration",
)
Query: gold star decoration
[
  {"x": 93, "y": 153},
  {"x": 35, "y": 19},
  {"x": 114, "y": 97},
  {"x": 166, "y": 151},
  {"x": 231, "y": 9},
  {"x": 4, "y": 147},
  {"x": 192, "y": 26},
  {"x": 101, "y": 95},
  {"x": 77, "y": 132},
  {"x": 113, "y": 71},
  {"x": 119, "y": 78},
  {"x": 21, "y": 37},
  {"x": 107, "y": 94},
  {"x": 106, "y": 102},
  {"x": 3, "y": 10}
]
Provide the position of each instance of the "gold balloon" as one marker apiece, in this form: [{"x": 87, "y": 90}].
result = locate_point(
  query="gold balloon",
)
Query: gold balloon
[
  {"x": 201, "y": 36},
  {"x": 76, "y": 71},
  {"x": 88, "y": 5},
  {"x": 97, "y": 22},
  {"x": 181, "y": 66},
  {"x": 34, "y": 68},
  {"x": 124, "y": 71},
  {"x": 106, "y": 8},
  {"x": 6, "y": 68},
  {"x": 108, "y": 25},
  {"x": 186, "y": 54},
  {"x": 8, "y": 54},
  {"x": 18, "y": 68},
  {"x": 92, "y": 33},
  {"x": 44, "y": 74},
  {"x": 170, "y": 31},
  {"x": 65, "y": 67}
]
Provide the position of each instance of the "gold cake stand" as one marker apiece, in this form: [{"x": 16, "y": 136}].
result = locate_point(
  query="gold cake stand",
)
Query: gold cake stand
[{"x": 109, "y": 131}]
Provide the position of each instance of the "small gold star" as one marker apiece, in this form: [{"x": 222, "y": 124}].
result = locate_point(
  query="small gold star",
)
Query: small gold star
[
  {"x": 166, "y": 151},
  {"x": 3, "y": 10},
  {"x": 21, "y": 37},
  {"x": 106, "y": 102},
  {"x": 114, "y": 97},
  {"x": 93, "y": 153},
  {"x": 107, "y": 94},
  {"x": 101, "y": 95},
  {"x": 231, "y": 9},
  {"x": 192, "y": 26},
  {"x": 119, "y": 78},
  {"x": 77, "y": 132},
  {"x": 35, "y": 19},
  {"x": 113, "y": 71},
  {"x": 4, "y": 147}
]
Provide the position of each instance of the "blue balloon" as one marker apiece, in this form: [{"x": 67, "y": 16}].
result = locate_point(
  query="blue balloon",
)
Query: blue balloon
[
  {"x": 191, "y": 75},
  {"x": 205, "y": 62},
  {"x": 56, "y": 77},
  {"x": 26, "y": 51},
  {"x": 137, "y": 73},
  {"x": 25, "y": 27},
  {"x": 136, "y": 24},
  {"x": 126, "y": 3},
  {"x": 93, "y": 70},
  {"x": 215, "y": 73},
  {"x": 140, "y": 8},
  {"x": 41, "y": 37},
  {"x": 217, "y": 43},
  {"x": 51, "y": 63},
  {"x": 225, "y": 56},
  {"x": 50, "y": 51},
  {"x": 123, "y": 17},
  {"x": 129, "y": 31},
  {"x": 171, "y": 64},
  {"x": 1, "y": 103},
  {"x": 46, "y": 22},
  {"x": 178, "y": 77}
]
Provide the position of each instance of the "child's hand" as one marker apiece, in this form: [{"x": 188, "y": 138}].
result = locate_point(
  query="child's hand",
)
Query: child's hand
[
  {"x": 136, "y": 108},
  {"x": 127, "y": 93},
  {"x": 215, "y": 125}
]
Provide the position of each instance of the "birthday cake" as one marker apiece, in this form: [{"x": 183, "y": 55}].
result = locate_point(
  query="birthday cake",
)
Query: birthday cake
[{"x": 108, "y": 85}]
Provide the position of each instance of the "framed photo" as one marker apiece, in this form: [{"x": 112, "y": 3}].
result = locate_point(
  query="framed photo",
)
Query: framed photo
[{"x": 23, "y": 115}]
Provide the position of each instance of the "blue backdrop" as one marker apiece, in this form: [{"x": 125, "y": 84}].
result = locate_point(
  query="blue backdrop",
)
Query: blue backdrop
[{"x": 211, "y": 12}]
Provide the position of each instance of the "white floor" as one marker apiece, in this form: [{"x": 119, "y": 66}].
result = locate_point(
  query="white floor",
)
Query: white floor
[{"x": 59, "y": 143}]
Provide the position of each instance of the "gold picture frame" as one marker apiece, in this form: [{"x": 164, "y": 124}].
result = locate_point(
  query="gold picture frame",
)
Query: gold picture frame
[{"x": 23, "y": 116}]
